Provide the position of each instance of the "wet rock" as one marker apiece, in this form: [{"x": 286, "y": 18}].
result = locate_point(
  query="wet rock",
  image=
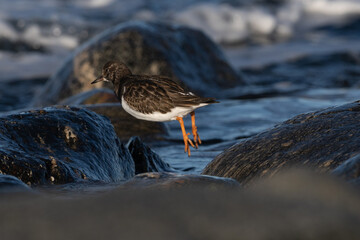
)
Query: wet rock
[
  {"x": 290, "y": 206},
  {"x": 322, "y": 140},
  {"x": 145, "y": 159},
  {"x": 166, "y": 180},
  {"x": 56, "y": 146},
  {"x": 184, "y": 54},
  {"x": 126, "y": 125},
  {"x": 104, "y": 102},
  {"x": 12, "y": 184},
  {"x": 349, "y": 170},
  {"x": 95, "y": 96}
]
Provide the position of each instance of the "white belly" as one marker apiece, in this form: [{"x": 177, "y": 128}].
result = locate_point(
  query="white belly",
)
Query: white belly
[{"x": 160, "y": 117}]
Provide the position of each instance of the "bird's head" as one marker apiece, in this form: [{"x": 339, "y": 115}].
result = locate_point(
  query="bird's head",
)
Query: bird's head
[{"x": 113, "y": 72}]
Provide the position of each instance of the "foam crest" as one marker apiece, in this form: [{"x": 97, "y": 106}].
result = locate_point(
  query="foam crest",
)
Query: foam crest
[
  {"x": 327, "y": 7},
  {"x": 93, "y": 3},
  {"x": 33, "y": 34},
  {"x": 225, "y": 23},
  {"x": 7, "y": 31}
]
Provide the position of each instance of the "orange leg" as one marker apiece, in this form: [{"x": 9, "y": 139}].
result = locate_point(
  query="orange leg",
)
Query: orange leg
[
  {"x": 187, "y": 140},
  {"x": 197, "y": 139}
]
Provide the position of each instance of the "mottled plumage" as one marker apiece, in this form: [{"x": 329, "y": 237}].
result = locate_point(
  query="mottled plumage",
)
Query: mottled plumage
[{"x": 153, "y": 98}]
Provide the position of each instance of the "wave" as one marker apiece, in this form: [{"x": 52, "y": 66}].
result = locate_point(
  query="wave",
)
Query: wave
[
  {"x": 229, "y": 22},
  {"x": 226, "y": 23},
  {"x": 52, "y": 28}
]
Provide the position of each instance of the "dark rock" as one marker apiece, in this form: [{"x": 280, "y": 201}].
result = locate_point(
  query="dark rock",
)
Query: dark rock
[
  {"x": 321, "y": 140},
  {"x": 166, "y": 180},
  {"x": 290, "y": 206},
  {"x": 145, "y": 159},
  {"x": 104, "y": 102},
  {"x": 95, "y": 96},
  {"x": 10, "y": 183},
  {"x": 349, "y": 170},
  {"x": 59, "y": 146},
  {"x": 126, "y": 125},
  {"x": 185, "y": 54}
]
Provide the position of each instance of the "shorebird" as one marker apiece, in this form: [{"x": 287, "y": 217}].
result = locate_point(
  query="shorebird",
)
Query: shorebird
[{"x": 154, "y": 98}]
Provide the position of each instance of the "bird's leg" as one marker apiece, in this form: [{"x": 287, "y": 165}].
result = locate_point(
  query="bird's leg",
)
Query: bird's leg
[
  {"x": 197, "y": 139},
  {"x": 187, "y": 140}
]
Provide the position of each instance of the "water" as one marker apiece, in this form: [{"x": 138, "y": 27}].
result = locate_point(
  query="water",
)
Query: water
[
  {"x": 233, "y": 121},
  {"x": 296, "y": 55}
]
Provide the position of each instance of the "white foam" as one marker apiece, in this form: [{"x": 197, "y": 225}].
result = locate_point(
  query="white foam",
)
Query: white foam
[
  {"x": 33, "y": 34},
  {"x": 222, "y": 23},
  {"x": 7, "y": 31},
  {"x": 261, "y": 22},
  {"x": 225, "y": 23},
  {"x": 328, "y": 7},
  {"x": 93, "y": 3}
]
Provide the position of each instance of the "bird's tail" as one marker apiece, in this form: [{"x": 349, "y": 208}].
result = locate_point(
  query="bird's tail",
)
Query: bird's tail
[{"x": 208, "y": 100}]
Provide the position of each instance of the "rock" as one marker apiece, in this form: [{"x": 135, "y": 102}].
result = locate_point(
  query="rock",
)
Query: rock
[
  {"x": 95, "y": 96},
  {"x": 10, "y": 183},
  {"x": 145, "y": 159},
  {"x": 349, "y": 170},
  {"x": 185, "y": 54},
  {"x": 126, "y": 125},
  {"x": 290, "y": 206},
  {"x": 56, "y": 146},
  {"x": 322, "y": 140},
  {"x": 104, "y": 102},
  {"x": 166, "y": 180}
]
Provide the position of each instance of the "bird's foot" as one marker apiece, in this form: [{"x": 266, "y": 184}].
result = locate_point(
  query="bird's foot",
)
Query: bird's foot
[
  {"x": 197, "y": 139},
  {"x": 188, "y": 141}
]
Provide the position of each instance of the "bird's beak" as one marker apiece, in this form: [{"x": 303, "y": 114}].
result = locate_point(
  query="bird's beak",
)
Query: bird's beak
[{"x": 99, "y": 79}]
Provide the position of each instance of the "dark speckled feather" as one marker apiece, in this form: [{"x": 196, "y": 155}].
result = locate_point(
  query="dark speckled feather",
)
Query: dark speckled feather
[{"x": 149, "y": 94}]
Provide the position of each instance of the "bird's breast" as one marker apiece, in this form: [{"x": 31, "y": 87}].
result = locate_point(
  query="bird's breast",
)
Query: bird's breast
[{"x": 157, "y": 116}]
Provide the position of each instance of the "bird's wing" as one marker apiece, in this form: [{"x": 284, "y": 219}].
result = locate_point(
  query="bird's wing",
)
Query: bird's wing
[
  {"x": 182, "y": 97},
  {"x": 171, "y": 92},
  {"x": 147, "y": 97},
  {"x": 179, "y": 95},
  {"x": 163, "y": 81}
]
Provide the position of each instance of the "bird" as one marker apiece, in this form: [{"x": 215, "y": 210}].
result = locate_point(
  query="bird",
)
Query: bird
[{"x": 154, "y": 98}]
